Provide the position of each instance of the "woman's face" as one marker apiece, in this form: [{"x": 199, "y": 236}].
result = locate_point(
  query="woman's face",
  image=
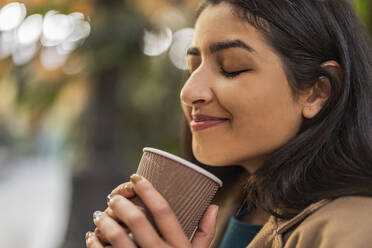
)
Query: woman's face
[{"x": 237, "y": 100}]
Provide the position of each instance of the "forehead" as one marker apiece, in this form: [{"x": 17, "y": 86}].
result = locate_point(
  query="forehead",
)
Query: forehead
[{"x": 219, "y": 23}]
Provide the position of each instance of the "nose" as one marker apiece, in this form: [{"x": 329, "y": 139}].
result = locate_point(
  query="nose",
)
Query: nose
[{"x": 197, "y": 89}]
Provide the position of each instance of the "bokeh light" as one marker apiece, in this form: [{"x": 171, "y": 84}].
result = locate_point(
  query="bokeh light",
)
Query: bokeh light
[
  {"x": 7, "y": 42},
  {"x": 11, "y": 15},
  {"x": 181, "y": 42},
  {"x": 81, "y": 28},
  {"x": 22, "y": 37},
  {"x": 156, "y": 43},
  {"x": 30, "y": 29},
  {"x": 67, "y": 31},
  {"x": 21, "y": 54},
  {"x": 51, "y": 59},
  {"x": 56, "y": 28}
]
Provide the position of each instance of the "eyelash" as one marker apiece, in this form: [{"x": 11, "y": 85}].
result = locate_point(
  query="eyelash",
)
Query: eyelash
[{"x": 232, "y": 74}]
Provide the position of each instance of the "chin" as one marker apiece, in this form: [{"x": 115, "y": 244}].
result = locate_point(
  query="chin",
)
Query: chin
[{"x": 211, "y": 159}]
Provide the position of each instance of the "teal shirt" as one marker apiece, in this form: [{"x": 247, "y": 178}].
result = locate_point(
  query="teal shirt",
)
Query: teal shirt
[{"x": 239, "y": 234}]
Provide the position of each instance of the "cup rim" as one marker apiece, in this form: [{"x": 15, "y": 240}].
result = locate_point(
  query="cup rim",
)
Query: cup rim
[{"x": 184, "y": 162}]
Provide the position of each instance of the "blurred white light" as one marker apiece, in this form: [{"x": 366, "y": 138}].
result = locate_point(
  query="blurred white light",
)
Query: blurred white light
[
  {"x": 77, "y": 15},
  {"x": 178, "y": 52},
  {"x": 56, "y": 28},
  {"x": 157, "y": 43},
  {"x": 11, "y": 15},
  {"x": 22, "y": 54},
  {"x": 51, "y": 59},
  {"x": 81, "y": 28},
  {"x": 66, "y": 47},
  {"x": 7, "y": 43},
  {"x": 30, "y": 29},
  {"x": 80, "y": 31}
]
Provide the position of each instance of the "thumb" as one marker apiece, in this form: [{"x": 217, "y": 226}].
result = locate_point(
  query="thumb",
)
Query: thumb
[{"x": 207, "y": 228}]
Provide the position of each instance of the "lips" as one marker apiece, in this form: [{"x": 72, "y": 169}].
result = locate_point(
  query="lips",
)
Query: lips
[{"x": 201, "y": 122}]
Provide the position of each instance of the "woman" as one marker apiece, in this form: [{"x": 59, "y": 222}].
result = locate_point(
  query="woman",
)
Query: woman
[{"x": 283, "y": 89}]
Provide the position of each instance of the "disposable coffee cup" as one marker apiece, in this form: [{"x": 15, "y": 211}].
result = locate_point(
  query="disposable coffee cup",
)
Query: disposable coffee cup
[{"x": 188, "y": 188}]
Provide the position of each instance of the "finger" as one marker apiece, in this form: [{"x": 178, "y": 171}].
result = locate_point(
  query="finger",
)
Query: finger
[
  {"x": 100, "y": 237},
  {"x": 143, "y": 232},
  {"x": 110, "y": 213},
  {"x": 125, "y": 189},
  {"x": 92, "y": 241},
  {"x": 111, "y": 231},
  {"x": 207, "y": 228},
  {"x": 163, "y": 215}
]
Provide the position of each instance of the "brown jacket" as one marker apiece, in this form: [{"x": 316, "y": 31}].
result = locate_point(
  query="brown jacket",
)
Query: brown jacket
[{"x": 342, "y": 223}]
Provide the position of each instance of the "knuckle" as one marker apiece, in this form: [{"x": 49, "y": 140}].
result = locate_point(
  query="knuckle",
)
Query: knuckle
[
  {"x": 114, "y": 202},
  {"x": 136, "y": 219},
  {"x": 108, "y": 211},
  {"x": 146, "y": 187},
  {"x": 120, "y": 189},
  {"x": 162, "y": 210},
  {"x": 115, "y": 235}
]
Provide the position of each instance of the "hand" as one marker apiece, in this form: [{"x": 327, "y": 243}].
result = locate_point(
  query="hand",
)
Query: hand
[{"x": 121, "y": 209}]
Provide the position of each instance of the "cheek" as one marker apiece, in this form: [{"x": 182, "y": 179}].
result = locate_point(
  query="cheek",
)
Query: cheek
[{"x": 264, "y": 114}]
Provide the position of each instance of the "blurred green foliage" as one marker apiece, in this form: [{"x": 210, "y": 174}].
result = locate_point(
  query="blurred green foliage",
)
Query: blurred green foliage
[{"x": 364, "y": 10}]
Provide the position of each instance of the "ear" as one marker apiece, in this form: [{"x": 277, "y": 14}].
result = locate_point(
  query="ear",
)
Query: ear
[{"x": 314, "y": 98}]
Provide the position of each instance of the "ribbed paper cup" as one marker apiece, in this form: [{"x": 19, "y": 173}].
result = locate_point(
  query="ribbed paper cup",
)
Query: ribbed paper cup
[{"x": 188, "y": 188}]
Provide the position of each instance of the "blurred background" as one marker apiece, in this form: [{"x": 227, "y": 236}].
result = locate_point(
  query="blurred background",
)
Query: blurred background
[{"x": 84, "y": 86}]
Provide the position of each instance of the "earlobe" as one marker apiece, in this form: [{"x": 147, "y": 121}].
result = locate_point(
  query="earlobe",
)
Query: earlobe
[{"x": 310, "y": 111}]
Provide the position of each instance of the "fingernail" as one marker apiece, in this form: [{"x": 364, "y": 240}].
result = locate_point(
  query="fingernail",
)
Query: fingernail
[
  {"x": 89, "y": 236},
  {"x": 97, "y": 214},
  {"x": 135, "y": 178},
  {"x": 109, "y": 198},
  {"x": 129, "y": 187}
]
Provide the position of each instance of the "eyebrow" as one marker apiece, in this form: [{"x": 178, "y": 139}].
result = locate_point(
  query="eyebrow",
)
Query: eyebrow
[{"x": 218, "y": 46}]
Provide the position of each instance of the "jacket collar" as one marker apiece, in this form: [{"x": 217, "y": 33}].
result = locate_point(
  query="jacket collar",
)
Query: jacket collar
[{"x": 284, "y": 225}]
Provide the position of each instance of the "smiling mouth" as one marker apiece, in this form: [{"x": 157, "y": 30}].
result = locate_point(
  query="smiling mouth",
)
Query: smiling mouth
[{"x": 201, "y": 122}]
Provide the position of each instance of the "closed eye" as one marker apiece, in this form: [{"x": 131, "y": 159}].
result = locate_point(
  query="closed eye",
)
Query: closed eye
[{"x": 233, "y": 73}]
